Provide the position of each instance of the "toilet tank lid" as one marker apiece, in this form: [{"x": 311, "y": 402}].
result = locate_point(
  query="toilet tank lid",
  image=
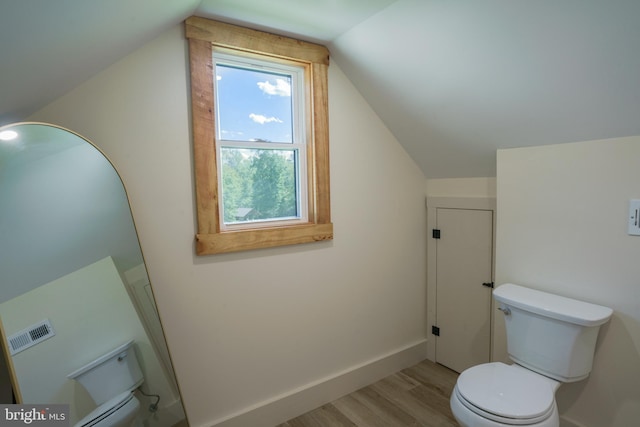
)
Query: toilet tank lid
[
  {"x": 554, "y": 306},
  {"x": 100, "y": 360}
]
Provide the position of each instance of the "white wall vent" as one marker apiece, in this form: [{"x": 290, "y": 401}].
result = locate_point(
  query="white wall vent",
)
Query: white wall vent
[{"x": 31, "y": 336}]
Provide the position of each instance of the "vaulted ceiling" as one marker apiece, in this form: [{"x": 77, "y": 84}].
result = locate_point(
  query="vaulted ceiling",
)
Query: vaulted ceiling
[{"x": 453, "y": 80}]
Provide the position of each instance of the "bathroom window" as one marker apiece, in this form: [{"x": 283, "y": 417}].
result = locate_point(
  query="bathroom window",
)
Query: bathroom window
[
  {"x": 260, "y": 141},
  {"x": 260, "y": 129}
]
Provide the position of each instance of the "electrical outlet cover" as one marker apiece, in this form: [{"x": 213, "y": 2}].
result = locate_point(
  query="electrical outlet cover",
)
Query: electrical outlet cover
[{"x": 633, "y": 225}]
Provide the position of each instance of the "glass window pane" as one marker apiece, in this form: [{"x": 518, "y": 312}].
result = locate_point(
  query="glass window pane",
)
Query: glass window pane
[
  {"x": 253, "y": 105},
  {"x": 259, "y": 184}
]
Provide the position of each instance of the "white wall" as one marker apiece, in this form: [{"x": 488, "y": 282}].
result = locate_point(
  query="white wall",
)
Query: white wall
[
  {"x": 562, "y": 212},
  {"x": 246, "y": 329},
  {"x": 462, "y": 187}
]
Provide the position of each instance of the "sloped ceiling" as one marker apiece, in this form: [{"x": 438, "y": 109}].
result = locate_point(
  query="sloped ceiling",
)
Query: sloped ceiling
[
  {"x": 49, "y": 47},
  {"x": 453, "y": 80}
]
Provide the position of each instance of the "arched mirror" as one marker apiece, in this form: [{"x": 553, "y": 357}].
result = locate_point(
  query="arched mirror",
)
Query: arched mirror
[{"x": 74, "y": 285}]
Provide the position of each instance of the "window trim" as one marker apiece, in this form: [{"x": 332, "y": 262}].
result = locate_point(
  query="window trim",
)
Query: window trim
[{"x": 202, "y": 35}]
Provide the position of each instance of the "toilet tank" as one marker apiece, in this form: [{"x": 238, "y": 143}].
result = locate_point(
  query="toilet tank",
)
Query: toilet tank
[
  {"x": 110, "y": 374},
  {"x": 549, "y": 334}
]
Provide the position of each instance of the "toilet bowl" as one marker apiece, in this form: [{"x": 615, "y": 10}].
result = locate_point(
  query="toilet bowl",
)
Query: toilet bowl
[
  {"x": 111, "y": 380},
  {"x": 551, "y": 340},
  {"x": 119, "y": 411},
  {"x": 497, "y": 394}
]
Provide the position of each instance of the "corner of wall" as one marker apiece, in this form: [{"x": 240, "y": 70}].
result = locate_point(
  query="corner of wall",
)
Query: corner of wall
[{"x": 461, "y": 187}]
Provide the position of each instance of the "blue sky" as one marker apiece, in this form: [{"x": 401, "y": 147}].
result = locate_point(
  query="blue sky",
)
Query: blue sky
[{"x": 253, "y": 105}]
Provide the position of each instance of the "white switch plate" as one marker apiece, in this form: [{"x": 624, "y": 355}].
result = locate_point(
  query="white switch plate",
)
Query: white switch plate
[{"x": 633, "y": 227}]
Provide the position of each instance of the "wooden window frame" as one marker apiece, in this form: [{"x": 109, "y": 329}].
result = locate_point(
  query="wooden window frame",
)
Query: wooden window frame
[{"x": 203, "y": 34}]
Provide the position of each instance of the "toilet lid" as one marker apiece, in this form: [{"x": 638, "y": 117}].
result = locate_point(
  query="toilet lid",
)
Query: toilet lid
[
  {"x": 507, "y": 391},
  {"x": 105, "y": 409}
]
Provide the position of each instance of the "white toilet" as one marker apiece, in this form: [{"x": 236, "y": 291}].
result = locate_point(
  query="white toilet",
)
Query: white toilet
[
  {"x": 110, "y": 381},
  {"x": 551, "y": 339}
]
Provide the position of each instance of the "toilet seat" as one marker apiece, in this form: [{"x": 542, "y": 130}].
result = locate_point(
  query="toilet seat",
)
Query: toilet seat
[
  {"x": 507, "y": 394},
  {"x": 118, "y": 408}
]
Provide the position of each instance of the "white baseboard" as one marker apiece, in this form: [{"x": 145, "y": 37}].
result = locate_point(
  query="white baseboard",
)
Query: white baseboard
[{"x": 296, "y": 402}]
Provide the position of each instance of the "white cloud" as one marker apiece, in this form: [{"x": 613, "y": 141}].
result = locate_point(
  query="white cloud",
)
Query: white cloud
[
  {"x": 231, "y": 134},
  {"x": 281, "y": 88},
  {"x": 259, "y": 118}
]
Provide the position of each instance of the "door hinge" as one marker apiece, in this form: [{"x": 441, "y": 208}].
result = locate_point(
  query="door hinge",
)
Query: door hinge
[
  {"x": 488, "y": 284},
  {"x": 435, "y": 331},
  {"x": 435, "y": 233}
]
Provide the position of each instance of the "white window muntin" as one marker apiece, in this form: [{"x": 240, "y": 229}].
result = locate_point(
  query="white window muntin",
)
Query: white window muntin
[{"x": 299, "y": 144}]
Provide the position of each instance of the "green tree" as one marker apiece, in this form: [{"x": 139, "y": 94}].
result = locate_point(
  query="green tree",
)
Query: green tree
[
  {"x": 274, "y": 191},
  {"x": 237, "y": 182},
  {"x": 263, "y": 181}
]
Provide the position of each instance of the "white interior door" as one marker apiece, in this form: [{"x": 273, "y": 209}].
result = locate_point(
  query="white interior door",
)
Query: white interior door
[{"x": 464, "y": 260}]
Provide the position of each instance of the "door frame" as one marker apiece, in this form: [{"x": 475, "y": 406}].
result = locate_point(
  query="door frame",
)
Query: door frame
[
  {"x": 9, "y": 364},
  {"x": 433, "y": 203}
]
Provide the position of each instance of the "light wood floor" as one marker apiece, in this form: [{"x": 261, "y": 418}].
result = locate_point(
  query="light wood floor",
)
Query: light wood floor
[{"x": 416, "y": 396}]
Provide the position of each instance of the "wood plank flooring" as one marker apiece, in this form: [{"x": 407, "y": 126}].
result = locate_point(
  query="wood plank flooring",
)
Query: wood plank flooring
[{"x": 416, "y": 396}]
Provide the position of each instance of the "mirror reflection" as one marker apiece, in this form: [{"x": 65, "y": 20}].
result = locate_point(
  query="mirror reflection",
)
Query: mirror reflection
[{"x": 78, "y": 319}]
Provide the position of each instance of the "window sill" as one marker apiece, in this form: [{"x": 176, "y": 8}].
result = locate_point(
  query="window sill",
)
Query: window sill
[{"x": 235, "y": 241}]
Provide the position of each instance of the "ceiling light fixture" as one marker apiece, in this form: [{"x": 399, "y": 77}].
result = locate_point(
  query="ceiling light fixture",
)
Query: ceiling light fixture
[{"x": 8, "y": 135}]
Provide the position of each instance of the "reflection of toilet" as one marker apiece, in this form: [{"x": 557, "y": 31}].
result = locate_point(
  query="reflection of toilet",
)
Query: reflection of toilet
[
  {"x": 111, "y": 380},
  {"x": 551, "y": 339}
]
